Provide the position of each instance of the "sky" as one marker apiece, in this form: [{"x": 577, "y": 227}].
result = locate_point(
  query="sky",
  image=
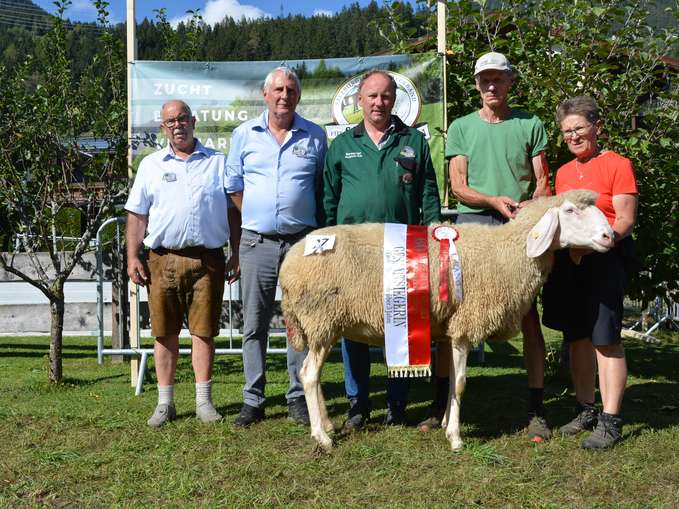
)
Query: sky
[{"x": 212, "y": 11}]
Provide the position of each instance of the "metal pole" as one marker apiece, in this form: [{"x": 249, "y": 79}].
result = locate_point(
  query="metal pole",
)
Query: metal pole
[
  {"x": 134, "y": 290},
  {"x": 100, "y": 285},
  {"x": 441, "y": 50}
]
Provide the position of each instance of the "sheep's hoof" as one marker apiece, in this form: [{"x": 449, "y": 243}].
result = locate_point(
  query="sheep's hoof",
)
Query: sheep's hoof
[
  {"x": 456, "y": 446},
  {"x": 323, "y": 447}
]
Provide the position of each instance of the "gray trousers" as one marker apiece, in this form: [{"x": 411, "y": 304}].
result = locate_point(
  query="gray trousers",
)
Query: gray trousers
[{"x": 260, "y": 260}]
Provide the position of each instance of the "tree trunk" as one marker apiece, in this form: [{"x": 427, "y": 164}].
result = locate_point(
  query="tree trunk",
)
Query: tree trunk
[{"x": 57, "y": 332}]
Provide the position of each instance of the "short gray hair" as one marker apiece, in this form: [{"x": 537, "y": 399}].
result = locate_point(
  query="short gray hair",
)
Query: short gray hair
[
  {"x": 185, "y": 106},
  {"x": 287, "y": 72},
  {"x": 583, "y": 105}
]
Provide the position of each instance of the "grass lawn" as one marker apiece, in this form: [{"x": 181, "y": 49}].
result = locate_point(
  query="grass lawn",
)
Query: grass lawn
[{"x": 85, "y": 443}]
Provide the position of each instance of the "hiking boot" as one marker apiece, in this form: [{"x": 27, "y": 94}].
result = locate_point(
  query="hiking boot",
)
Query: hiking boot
[
  {"x": 396, "y": 414},
  {"x": 537, "y": 429},
  {"x": 607, "y": 433},
  {"x": 298, "y": 411},
  {"x": 207, "y": 413},
  {"x": 358, "y": 417},
  {"x": 162, "y": 414},
  {"x": 248, "y": 415},
  {"x": 585, "y": 420}
]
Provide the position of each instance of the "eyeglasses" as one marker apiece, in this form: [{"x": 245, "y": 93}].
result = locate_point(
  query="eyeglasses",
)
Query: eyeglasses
[
  {"x": 578, "y": 131},
  {"x": 181, "y": 119}
]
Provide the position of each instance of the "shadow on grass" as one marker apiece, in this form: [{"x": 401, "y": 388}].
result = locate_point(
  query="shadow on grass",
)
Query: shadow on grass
[
  {"x": 82, "y": 382},
  {"x": 33, "y": 350},
  {"x": 650, "y": 361}
]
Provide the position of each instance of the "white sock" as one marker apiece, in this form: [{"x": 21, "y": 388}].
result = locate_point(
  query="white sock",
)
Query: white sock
[
  {"x": 166, "y": 394},
  {"x": 203, "y": 393}
]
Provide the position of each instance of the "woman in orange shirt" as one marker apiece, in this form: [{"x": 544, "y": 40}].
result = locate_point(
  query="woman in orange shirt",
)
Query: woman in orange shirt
[{"x": 585, "y": 300}]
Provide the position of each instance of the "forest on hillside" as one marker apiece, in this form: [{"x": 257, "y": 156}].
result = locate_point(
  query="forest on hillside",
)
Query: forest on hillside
[{"x": 350, "y": 32}]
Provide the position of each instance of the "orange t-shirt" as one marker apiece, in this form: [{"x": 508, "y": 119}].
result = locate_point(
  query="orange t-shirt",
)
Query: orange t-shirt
[{"x": 607, "y": 174}]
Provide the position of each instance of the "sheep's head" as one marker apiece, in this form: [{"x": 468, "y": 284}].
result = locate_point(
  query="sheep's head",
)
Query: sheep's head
[{"x": 574, "y": 222}]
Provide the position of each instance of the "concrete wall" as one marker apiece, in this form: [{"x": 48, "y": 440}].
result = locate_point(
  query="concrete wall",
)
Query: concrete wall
[{"x": 24, "y": 309}]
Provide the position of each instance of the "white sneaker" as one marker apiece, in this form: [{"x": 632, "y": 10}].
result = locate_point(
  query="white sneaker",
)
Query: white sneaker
[
  {"x": 207, "y": 414},
  {"x": 161, "y": 415}
]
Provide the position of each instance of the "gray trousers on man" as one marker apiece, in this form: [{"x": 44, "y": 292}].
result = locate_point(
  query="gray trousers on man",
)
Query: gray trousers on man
[{"x": 260, "y": 260}]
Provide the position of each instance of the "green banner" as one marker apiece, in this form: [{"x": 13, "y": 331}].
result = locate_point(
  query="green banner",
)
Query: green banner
[{"x": 222, "y": 95}]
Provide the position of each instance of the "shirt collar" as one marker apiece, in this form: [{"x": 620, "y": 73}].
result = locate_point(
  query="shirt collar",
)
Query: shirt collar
[
  {"x": 298, "y": 123},
  {"x": 396, "y": 125},
  {"x": 198, "y": 148}
]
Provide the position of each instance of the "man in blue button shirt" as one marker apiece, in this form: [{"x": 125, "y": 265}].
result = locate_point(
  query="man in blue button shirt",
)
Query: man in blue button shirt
[
  {"x": 274, "y": 177},
  {"x": 178, "y": 193}
]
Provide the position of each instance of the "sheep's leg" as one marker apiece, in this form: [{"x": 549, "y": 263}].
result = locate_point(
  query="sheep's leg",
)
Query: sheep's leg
[
  {"x": 310, "y": 375},
  {"x": 458, "y": 379},
  {"x": 325, "y": 420}
]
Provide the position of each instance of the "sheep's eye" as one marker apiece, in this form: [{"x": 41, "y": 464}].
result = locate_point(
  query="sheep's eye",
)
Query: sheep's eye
[{"x": 570, "y": 210}]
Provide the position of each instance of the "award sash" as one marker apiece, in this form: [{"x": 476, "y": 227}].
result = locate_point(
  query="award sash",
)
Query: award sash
[{"x": 407, "y": 336}]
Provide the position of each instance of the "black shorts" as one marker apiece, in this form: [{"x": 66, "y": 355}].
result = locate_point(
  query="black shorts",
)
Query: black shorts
[{"x": 585, "y": 301}]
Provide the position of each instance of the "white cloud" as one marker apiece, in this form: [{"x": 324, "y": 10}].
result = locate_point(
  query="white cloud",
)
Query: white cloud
[
  {"x": 216, "y": 10},
  {"x": 323, "y": 12}
]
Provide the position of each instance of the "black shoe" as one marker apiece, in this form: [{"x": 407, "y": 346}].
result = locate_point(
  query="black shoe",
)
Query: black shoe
[
  {"x": 396, "y": 415},
  {"x": 586, "y": 419},
  {"x": 298, "y": 411},
  {"x": 248, "y": 415},
  {"x": 358, "y": 417},
  {"x": 607, "y": 433}
]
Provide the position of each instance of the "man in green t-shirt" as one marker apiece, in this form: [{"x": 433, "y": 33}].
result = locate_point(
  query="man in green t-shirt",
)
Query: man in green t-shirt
[
  {"x": 496, "y": 154},
  {"x": 378, "y": 172}
]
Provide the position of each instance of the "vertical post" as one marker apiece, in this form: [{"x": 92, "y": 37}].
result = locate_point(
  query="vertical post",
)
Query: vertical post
[
  {"x": 441, "y": 50},
  {"x": 134, "y": 290}
]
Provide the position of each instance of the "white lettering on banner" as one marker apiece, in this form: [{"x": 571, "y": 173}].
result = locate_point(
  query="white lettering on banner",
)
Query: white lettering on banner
[
  {"x": 333, "y": 131},
  {"x": 207, "y": 141},
  {"x": 221, "y": 115},
  {"x": 213, "y": 115},
  {"x": 181, "y": 89}
]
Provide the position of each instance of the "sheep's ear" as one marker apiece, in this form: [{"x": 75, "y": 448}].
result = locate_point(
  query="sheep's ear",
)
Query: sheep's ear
[{"x": 541, "y": 235}]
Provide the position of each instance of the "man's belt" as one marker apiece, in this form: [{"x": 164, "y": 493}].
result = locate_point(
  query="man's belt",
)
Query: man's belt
[
  {"x": 188, "y": 252},
  {"x": 285, "y": 237}
]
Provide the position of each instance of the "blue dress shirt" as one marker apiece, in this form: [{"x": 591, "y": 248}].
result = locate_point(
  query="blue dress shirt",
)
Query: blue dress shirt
[
  {"x": 279, "y": 182},
  {"x": 185, "y": 201}
]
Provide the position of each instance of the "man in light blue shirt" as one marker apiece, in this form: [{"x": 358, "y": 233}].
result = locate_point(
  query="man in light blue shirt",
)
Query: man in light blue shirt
[
  {"x": 178, "y": 194},
  {"x": 274, "y": 177}
]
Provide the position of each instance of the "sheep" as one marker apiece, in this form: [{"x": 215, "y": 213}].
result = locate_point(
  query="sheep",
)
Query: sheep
[{"x": 339, "y": 292}]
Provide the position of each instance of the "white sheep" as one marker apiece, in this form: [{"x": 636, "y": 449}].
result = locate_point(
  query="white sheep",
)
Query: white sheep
[{"x": 340, "y": 293}]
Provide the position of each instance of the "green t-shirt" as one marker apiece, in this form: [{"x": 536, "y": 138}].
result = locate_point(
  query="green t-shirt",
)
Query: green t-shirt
[{"x": 498, "y": 155}]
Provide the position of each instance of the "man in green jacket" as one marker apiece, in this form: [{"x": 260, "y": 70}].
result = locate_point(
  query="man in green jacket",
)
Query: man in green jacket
[{"x": 380, "y": 171}]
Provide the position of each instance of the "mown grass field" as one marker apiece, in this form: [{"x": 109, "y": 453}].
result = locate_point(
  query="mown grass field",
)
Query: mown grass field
[{"x": 85, "y": 443}]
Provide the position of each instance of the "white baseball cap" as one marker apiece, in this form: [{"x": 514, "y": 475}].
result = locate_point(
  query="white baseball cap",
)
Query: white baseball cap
[{"x": 492, "y": 61}]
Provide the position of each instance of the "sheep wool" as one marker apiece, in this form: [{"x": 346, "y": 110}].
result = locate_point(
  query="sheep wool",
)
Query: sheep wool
[{"x": 340, "y": 292}]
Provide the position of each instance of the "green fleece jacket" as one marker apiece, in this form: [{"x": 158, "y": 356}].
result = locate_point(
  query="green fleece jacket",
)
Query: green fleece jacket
[{"x": 392, "y": 184}]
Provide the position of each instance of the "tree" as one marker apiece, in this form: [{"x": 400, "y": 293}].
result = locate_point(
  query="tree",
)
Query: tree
[
  {"x": 602, "y": 48},
  {"x": 44, "y": 170}
]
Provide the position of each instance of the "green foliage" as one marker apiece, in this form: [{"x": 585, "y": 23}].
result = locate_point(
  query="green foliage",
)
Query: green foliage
[
  {"x": 347, "y": 33},
  {"x": 602, "y": 48},
  {"x": 46, "y": 166}
]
